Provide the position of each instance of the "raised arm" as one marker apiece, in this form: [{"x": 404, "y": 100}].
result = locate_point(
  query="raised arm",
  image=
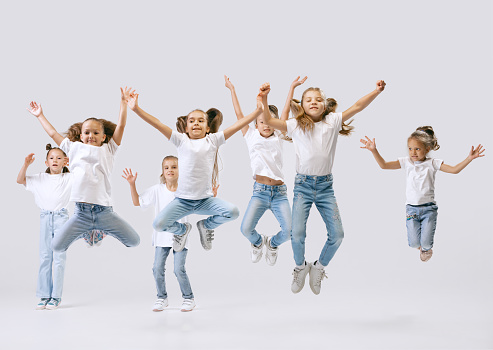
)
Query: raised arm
[
  {"x": 133, "y": 105},
  {"x": 37, "y": 111},
  {"x": 122, "y": 117},
  {"x": 131, "y": 178},
  {"x": 21, "y": 178},
  {"x": 273, "y": 122},
  {"x": 236, "y": 104},
  {"x": 363, "y": 102},
  {"x": 287, "y": 106},
  {"x": 371, "y": 146},
  {"x": 473, "y": 154}
]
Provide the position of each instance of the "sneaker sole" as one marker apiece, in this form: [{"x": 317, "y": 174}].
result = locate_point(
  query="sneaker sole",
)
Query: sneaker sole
[
  {"x": 185, "y": 310},
  {"x": 203, "y": 240}
]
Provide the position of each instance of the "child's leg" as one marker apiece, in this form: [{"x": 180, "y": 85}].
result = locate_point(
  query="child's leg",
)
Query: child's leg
[
  {"x": 221, "y": 211},
  {"x": 282, "y": 211},
  {"x": 413, "y": 225},
  {"x": 327, "y": 206},
  {"x": 106, "y": 220},
  {"x": 302, "y": 202},
  {"x": 60, "y": 218},
  {"x": 181, "y": 273},
  {"x": 44, "y": 286},
  {"x": 166, "y": 219},
  {"x": 257, "y": 206},
  {"x": 160, "y": 256},
  {"x": 428, "y": 216},
  {"x": 80, "y": 223}
]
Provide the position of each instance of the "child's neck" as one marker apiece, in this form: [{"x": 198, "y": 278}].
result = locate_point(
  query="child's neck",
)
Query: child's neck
[{"x": 172, "y": 186}]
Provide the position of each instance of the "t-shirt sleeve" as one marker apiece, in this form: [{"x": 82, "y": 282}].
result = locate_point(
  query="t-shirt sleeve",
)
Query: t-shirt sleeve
[
  {"x": 336, "y": 119},
  {"x": 32, "y": 182},
  {"x": 291, "y": 125},
  {"x": 218, "y": 138},
  {"x": 176, "y": 138},
  {"x": 65, "y": 145},
  {"x": 249, "y": 132},
  {"x": 112, "y": 146},
  {"x": 402, "y": 162},
  {"x": 437, "y": 163},
  {"x": 148, "y": 197}
]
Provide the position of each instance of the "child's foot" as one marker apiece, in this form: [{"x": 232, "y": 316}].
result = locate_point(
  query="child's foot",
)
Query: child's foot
[
  {"x": 180, "y": 240},
  {"x": 188, "y": 305},
  {"x": 257, "y": 251},
  {"x": 160, "y": 304},
  {"x": 88, "y": 239},
  {"x": 270, "y": 252},
  {"x": 97, "y": 237},
  {"x": 206, "y": 235},
  {"x": 317, "y": 274},
  {"x": 425, "y": 255},
  {"x": 53, "y": 303},
  {"x": 299, "y": 276},
  {"x": 42, "y": 303}
]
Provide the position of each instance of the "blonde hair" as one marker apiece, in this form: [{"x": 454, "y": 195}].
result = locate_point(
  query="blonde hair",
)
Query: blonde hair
[
  {"x": 426, "y": 136},
  {"x": 306, "y": 123},
  {"x": 74, "y": 131},
  {"x": 162, "y": 179},
  {"x": 49, "y": 149}
]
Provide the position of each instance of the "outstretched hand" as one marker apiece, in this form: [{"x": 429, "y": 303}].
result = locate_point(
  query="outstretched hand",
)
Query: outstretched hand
[
  {"x": 297, "y": 82},
  {"x": 381, "y": 85},
  {"x": 370, "y": 145},
  {"x": 227, "y": 83},
  {"x": 264, "y": 89},
  {"x": 476, "y": 152},
  {"x": 35, "y": 109},
  {"x": 29, "y": 159},
  {"x": 127, "y": 175},
  {"x": 133, "y": 101},
  {"x": 126, "y": 93}
]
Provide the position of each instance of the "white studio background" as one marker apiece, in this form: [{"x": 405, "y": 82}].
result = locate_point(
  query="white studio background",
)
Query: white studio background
[{"x": 436, "y": 57}]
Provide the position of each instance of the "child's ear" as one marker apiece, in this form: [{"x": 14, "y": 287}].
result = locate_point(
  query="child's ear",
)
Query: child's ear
[
  {"x": 104, "y": 137},
  {"x": 46, "y": 163}
]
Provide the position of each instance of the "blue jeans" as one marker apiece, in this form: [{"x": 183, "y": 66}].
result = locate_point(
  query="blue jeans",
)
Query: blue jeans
[
  {"x": 309, "y": 189},
  {"x": 421, "y": 222},
  {"x": 220, "y": 210},
  {"x": 51, "y": 264},
  {"x": 179, "y": 268},
  {"x": 88, "y": 217},
  {"x": 267, "y": 197}
]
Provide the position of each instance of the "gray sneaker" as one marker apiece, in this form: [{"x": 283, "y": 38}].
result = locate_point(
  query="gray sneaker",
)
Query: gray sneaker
[
  {"x": 206, "y": 235},
  {"x": 180, "y": 240},
  {"x": 317, "y": 274},
  {"x": 257, "y": 251},
  {"x": 270, "y": 252},
  {"x": 425, "y": 255},
  {"x": 299, "y": 276}
]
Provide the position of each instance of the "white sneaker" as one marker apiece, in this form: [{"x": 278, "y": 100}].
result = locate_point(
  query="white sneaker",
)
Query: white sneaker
[
  {"x": 160, "y": 304},
  {"x": 257, "y": 251},
  {"x": 317, "y": 273},
  {"x": 206, "y": 235},
  {"x": 187, "y": 305},
  {"x": 42, "y": 303},
  {"x": 270, "y": 252},
  {"x": 299, "y": 276},
  {"x": 180, "y": 240}
]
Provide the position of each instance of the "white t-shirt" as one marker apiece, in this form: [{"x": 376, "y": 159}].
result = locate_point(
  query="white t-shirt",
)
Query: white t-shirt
[
  {"x": 91, "y": 167},
  {"x": 420, "y": 179},
  {"x": 51, "y": 192},
  {"x": 315, "y": 150},
  {"x": 265, "y": 154},
  {"x": 159, "y": 196},
  {"x": 196, "y": 162}
]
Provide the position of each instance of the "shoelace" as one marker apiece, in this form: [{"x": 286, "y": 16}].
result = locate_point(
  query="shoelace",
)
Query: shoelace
[
  {"x": 320, "y": 277},
  {"x": 209, "y": 236},
  {"x": 296, "y": 275}
]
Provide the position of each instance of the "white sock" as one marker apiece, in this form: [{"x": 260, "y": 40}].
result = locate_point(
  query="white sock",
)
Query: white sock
[{"x": 318, "y": 265}]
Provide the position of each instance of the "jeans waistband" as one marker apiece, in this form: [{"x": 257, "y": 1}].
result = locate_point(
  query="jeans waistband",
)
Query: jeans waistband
[
  {"x": 264, "y": 187},
  {"x": 90, "y": 206},
  {"x": 54, "y": 212},
  {"x": 315, "y": 178},
  {"x": 422, "y": 205}
]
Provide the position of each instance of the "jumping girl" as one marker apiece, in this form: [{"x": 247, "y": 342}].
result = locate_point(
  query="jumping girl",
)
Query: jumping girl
[
  {"x": 314, "y": 131},
  {"x": 421, "y": 208}
]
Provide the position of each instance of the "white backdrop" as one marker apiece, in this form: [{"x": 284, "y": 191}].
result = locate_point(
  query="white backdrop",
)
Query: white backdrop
[{"x": 436, "y": 57}]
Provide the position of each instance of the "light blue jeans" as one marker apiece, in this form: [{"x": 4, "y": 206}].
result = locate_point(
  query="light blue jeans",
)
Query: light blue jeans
[
  {"x": 179, "y": 269},
  {"x": 220, "y": 211},
  {"x": 309, "y": 189},
  {"x": 51, "y": 264},
  {"x": 421, "y": 222},
  {"x": 88, "y": 217},
  {"x": 267, "y": 197}
]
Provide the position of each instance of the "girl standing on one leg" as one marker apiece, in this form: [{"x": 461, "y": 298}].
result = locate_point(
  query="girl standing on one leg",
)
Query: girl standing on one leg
[
  {"x": 421, "y": 208},
  {"x": 51, "y": 191},
  {"x": 314, "y": 131}
]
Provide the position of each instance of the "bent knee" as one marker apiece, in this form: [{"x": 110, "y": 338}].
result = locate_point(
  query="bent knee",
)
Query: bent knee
[{"x": 233, "y": 213}]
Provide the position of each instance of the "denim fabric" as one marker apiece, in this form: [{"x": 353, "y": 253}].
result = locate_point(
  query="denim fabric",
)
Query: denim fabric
[
  {"x": 421, "y": 222},
  {"x": 88, "y": 217},
  {"x": 51, "y": 264},
  {"x": 220, "y": 210},
  {"x": 179, "y": 269},
  {"x": 267, "y": 197},
  {"x": 310, "y": 189}
]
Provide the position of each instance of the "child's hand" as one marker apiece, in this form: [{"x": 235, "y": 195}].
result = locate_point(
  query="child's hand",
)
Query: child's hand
[
  {"x": 29, "y": 159},
  {"x": 127, "y": 175},
  {"x": 35, "y": 109},
  {"x": 476, "y": 152},
  {"x": 126, "y": 93},
  {"x": 214, "y": 190},
  {"x": 380, "y": 85},
  {"x": 132, "y": 101},
  {"x": 370, "y": 145},
  {"x": 260, "y": 104},
  {"x": 264, "y": 89},
  {"x": 227, "y": 83},
  {"x": 297, "y": 82}
]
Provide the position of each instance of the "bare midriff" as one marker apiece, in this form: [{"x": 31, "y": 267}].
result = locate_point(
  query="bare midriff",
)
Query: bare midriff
[{"x": 264, "y": 180}]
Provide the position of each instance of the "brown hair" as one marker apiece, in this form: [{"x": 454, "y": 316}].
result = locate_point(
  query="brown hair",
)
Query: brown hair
[
  {"x": 74, "y": 131},
  {"x": 162, "y": 179},
  {"x": 49, "y": 149},
  {"x": 306, "y": 123},
  {"x": 426, "y": 136}
]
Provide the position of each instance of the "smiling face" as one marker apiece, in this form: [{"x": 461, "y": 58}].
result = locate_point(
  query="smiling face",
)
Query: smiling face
[
  {"x": 170, "y": 170},
  {"x": 417, "y": 150},
  {"x": 197, "y": 126},
  {"x": 264, "y": 129},
  {"x": 313, "y": 104},
  {"x": 56, "y": 160},
  {"x": 92, "y": 133}
]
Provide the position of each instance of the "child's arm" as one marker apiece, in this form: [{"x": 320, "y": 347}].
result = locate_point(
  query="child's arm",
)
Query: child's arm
[
  {"x": 287, "y": 106},
  {"x": 133, "y": 105},
  {"x": 236, "y": 103},
  {"x": 131, "y": 178},
  {"x": 122, "y": 118},
  {"x": 473, "y": 154},
  {"x": 363, "y": 102},
  {"x": 37, "y": 111},
  {"x": 275, "y": 123},
  {"x": 21, "y": 178},
  {"x": 371, "y": 146}
]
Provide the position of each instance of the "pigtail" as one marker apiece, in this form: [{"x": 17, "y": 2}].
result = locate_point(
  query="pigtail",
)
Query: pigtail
[
  {"x": 74, "y": 131},
  {"x": 214, "y": 119},
  {"x": 109, "y": 129},
  {"x": 181, "y": 124}
]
